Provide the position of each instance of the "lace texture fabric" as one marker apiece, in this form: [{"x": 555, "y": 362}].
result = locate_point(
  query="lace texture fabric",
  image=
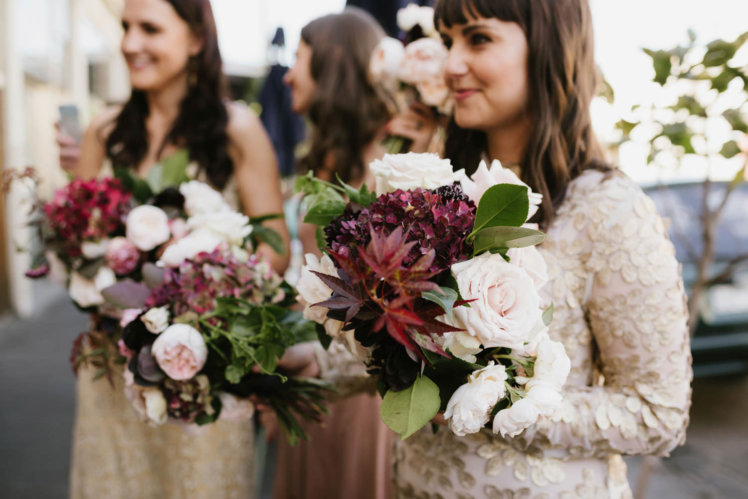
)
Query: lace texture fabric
[{"x": 620, "y": 313}]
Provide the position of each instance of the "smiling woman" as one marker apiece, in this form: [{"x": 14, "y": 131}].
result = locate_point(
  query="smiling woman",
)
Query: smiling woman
[{"x": 177, "y": 111}]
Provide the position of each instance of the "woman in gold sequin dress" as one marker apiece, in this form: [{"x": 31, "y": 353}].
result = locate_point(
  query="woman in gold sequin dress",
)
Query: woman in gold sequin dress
[{"x": 177, "y": 104}]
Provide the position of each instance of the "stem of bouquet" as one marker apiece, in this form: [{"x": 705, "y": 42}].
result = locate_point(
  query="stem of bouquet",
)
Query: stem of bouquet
[{"x": 394, "y": 144}]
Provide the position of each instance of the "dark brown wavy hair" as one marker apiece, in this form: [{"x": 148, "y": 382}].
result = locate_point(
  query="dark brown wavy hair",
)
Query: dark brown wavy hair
[
  {"x": 346, "y": 110},
  {"x": 562, "y": 81},
  {"x": 200, "y": 125}
]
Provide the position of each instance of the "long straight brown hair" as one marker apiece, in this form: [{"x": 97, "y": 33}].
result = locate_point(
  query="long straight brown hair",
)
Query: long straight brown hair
[
  {"x": 346, "y": 110},
  {"x": 562, "y": 81}
]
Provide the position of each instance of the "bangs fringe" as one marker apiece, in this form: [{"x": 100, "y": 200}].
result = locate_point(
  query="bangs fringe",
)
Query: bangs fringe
[{"x": 451, "y": 12}]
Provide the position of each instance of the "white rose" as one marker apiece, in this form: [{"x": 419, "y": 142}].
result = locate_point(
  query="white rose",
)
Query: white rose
[
  {"x": 425, "y": 59},
  {"x": 94, "y": 249},
  {"x": 155, "y": 405},
  {"x": 511, "y": 421},
  {"x": 412, "y": 15},
  {"x": 469, "y": 408},
  {"x": 87, "y": 292},
  {"x": 531, "y": 260},
  {"x": 231, "y": 226},
  {"x": 546, "y": 397},
  {"x": 552, "y": 365},
  {"x": 189, "y": 246},
  {"x": 460, "y": 344},
  {"x": 200, "y": 198},
  {"x": 385, "y": 62},
  {"x": 433, "y": 92},
  {"x": 506, "y": 307},
  {"x": 156, "y": 319},
  {"x": 483, "y": 178},
  {"x": 410, "y": 171},
  {"x": 147, "y": 227},
  {"x": 312, "y": 290},
  {"x": 180, "y": 351},
  {"x": 235, "y": 408}
]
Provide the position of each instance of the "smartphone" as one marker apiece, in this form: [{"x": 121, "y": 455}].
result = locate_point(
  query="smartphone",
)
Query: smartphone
[{"x": 69, "y": 121}]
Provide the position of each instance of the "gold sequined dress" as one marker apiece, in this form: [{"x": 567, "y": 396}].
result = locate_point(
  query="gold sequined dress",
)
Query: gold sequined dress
[
  {"x": 620, "y": 313},
  {"x": 117, "y": 456}
]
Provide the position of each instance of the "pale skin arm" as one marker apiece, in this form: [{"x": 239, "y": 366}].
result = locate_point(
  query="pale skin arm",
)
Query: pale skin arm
[{"x": 256, "y": 174}]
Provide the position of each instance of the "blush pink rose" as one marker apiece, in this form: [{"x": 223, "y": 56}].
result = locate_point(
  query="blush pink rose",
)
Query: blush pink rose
[
  {"x": 180, "y": 351},
  {"x": 122, "y": 256},
  {"x": 425, "y": 59}
]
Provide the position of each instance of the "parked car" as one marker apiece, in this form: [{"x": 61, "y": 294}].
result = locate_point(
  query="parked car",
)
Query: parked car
[{"x": 720, "y": 340}]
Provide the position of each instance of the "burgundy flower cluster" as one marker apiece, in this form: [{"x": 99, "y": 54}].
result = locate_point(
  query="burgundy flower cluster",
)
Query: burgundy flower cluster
[
  {"x": 438, "y": 219},
  {"x": 86, "y": 210},
  {"x": 195, "y": 284}
]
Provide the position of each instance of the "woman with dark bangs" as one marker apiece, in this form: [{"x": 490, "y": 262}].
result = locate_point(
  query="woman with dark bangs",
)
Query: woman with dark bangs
[
  {"x": 177, "y": 112},
  {"x": 349, "y": 454},
  {"x": 522, "y": 74}
]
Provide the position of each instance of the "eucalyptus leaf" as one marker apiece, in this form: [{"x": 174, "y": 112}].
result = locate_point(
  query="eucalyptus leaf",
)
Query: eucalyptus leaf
[
  {"x": 502, "y": 204},
  {"x": 127, "y": 294},
  {"x": 548, "y": 315},
  {"x": 444, "y": 297},
  {"x": 91, "y": 268},
  {"x": 409, "y": 410},
  {"x": 500, "y": 238},
  {"x": 153, "y": 275}
]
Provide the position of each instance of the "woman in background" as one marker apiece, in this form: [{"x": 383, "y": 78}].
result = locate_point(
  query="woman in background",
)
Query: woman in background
[
  {"x": 349, "y": 455},
  {"x": 177, "y": 105}
]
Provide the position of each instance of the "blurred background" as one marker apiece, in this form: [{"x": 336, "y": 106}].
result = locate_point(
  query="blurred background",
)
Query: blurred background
[{"x": 672, "y": 116}]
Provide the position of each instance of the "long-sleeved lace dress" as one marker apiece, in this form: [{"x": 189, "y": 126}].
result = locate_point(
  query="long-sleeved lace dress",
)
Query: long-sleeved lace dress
[{"x": 620, "y": 313}]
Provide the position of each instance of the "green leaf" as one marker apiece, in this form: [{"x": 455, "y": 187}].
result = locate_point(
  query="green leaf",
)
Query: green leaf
[
  {"x": 626, "y": 126},
  {"x": 444, "y": 297},
  {"x": 501, "y": 238},
  {"x": 548, "y": 315},
  {"x": 91, "y": 267},
  {"x": 679, "y": 134},
  {"x": 736, "y": 120},
  {"x": 268, "y": 236},
  {"x": 361, "y": 196},
  {"x": 323, "y": 212},
  {"x": 690, "y": 104},
  {"x": 234, "y": 374},
  {"x": 662, "y": 63},
  {"x": 324, "y": 338},
  {"x": 174, "y": 169},
  {"x": 739, "y": 178},
  {"x": 730, "y": 149},
  {"x": 264, "y": 218},
  {"x": 718, "y": 53},
  {"x": 319, "y": 236},
  {"x": 722, "y": 80},
  {"x": 140, "y": 189},
  {"x": 409, "y": 410},
  {"x": 502, "y": 204}
]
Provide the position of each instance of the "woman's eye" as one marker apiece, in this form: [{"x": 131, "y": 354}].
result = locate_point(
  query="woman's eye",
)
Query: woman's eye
[
  {"x": 150, "y": 28},
  {"x": 125, "y": 26},
  {"x": 447, "y": 42},
  {"x": 479, "y": 39}
]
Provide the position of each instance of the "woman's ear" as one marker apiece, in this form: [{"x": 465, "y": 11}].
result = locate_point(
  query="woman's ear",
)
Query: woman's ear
[{"x": 196, "y": 44}]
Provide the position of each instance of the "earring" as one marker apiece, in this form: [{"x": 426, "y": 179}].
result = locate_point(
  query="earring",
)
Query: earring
[{"x": 192, "y": 66}]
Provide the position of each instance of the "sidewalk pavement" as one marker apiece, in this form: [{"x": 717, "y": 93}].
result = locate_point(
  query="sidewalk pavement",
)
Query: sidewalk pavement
[{"x": 37, "y": 389}]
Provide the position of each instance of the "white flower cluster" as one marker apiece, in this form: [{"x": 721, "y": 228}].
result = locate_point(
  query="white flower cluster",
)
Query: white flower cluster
[
  {"x": 415, "y": 15},
  {"x": 506, "y": 310}
]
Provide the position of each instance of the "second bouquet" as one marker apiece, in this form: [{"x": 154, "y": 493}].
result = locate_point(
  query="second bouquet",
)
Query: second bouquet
[{"x": 437, "y": 277}]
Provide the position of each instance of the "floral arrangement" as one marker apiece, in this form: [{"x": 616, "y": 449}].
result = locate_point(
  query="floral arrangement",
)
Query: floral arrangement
[
  {"x": 438, "y": 280},
  {"x": 413, "y": 71},
  {"x": 207, "y": 341}
]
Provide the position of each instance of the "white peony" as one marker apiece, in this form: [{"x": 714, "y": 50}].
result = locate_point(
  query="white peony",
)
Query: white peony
[
  {"x": 531, "y": 260},
  {"x": 412, "y": 15},
  {"x": 483, "y": 178},
  {"x": 312, "y": 290},
  {"x": 546, "y": 397},
  {"x": 156, "y": 319},
  {"x": 180, "y": 351},
  {"x": 147, "y": 227},
  {"x": 505, "y": 311},
  {"x": 200, "y": 198},
  {"x": 513, "y": 420},
  {"x": 552, "y": 365},
  {"x": 384, "y": 66},
  {"x": 94, "y": 249},
  {"x": 189, "y": 246},
  {"x": 425, "y": 59},
  {"x": 230, "y": 226},
  {"x": 410, "y": 171},
  {"x": 235, "y": 408},
  {"x": 87, "y": 292},
  {"x": 470, "y": 406}
]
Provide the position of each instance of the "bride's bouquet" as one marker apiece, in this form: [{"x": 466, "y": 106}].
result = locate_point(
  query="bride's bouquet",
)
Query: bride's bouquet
[{"x": 437, "y": 279}]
